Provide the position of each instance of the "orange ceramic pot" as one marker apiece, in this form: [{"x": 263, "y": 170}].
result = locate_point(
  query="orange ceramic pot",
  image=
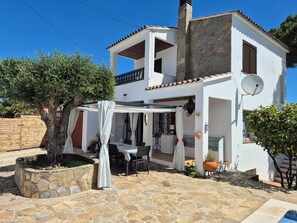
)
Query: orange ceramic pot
[
  {"x": 198, "y": 134},
  {"x": 210, "y": 166}
]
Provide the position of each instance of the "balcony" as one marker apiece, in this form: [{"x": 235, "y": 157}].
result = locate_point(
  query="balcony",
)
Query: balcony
[{"x": 129, "y": 77}]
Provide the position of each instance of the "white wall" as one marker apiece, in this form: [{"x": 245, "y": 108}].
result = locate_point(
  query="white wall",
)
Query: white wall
[
  {"x": 139, "y": 63},
  {"x": 168, "y": 60},
  {"x": 220, "y": 123},
  {"x": 134, "y": 91},
  {"x": 271, "y": 60},
  {"x": 270, "y": 67},
  {"x": 90, "y": 128},
  {"x": 158, "y": 78},
  {"x": 243, "y": 156}
]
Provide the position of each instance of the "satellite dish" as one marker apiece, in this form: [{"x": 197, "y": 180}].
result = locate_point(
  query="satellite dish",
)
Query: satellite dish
[{"x": 252, "y": 84}]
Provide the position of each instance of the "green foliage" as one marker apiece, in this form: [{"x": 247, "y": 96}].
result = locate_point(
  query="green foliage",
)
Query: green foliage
[
  {"x": 40, "y": 164},
  {"x": 210, "y": 156},
  {"x": 55, "y": 82},
  {"x": 14, "y": 109},
  {"x": 190, "y": 169},
  {"x": 55, "y": 79},
  {"x": 287, "y": 33},
  {"x": 275, "y": 130}
]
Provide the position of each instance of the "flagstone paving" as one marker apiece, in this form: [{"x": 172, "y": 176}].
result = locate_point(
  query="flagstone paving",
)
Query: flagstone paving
[{"x": 161, "y": 196}]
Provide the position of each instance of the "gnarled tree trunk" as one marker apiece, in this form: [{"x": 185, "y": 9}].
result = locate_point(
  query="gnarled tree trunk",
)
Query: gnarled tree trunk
[{"x": 56, "y": 129}]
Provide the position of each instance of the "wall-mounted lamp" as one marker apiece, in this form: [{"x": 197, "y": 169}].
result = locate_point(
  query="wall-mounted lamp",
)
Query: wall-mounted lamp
[
  {"x": 205, "y": 127},
  {"x": 189, "y": 107}
]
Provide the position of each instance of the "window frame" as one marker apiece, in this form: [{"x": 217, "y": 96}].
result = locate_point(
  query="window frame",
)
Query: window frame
[
  {"x": 246, "y": 134},
  {"x": 249, "y": 59}
]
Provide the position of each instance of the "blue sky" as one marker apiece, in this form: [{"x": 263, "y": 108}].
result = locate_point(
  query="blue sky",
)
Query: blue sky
[{"x": 72, "y": 26}]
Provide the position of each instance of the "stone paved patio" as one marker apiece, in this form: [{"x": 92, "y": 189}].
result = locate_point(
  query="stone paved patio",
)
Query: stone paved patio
[{"x": 161, "y": 196}]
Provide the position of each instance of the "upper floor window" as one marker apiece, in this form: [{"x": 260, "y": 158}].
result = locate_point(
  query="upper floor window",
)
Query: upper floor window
[
  {"x": 249, "y": 58},
  {"x": 158, "y": 65}
]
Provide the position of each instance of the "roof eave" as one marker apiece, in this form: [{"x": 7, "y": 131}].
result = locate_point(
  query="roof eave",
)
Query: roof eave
[
  {"x": 190, "y": 81},
  {"x": 147, "y": 27}
]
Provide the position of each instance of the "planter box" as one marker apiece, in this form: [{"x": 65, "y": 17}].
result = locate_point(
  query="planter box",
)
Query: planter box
[{"x": 54, "y": 183}]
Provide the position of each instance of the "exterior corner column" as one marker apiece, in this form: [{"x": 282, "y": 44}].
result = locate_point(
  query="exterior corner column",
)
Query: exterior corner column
[
  {"x": 148, "y": 126},
  {"x": 201, "y": 127},
  {"x": 149, "y": 55},
  {"x": 84, "y": 145},
  {"x": 114, "y": 62}
]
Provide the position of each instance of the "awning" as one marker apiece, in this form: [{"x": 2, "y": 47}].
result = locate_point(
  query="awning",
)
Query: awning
[{"x": 120, "y": 108}]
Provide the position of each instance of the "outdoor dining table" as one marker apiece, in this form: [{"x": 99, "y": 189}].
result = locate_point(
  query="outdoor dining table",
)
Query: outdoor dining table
[{"x": 126, "y": 150}]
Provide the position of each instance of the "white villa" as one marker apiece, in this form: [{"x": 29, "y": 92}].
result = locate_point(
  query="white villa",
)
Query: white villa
[{"x": 204, "y": 59}]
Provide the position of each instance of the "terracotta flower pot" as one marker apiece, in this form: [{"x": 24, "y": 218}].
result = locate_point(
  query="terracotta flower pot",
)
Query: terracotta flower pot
[
  {"x": 210, "y": 166},
  {"x": 198, "y": 134}
]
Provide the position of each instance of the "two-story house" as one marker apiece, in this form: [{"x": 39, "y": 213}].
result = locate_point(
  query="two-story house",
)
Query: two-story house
[{"x": 204, "y": 60}]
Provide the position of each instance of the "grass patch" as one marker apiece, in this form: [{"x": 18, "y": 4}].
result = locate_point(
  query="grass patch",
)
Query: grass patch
[
  {"x": 286, "y": 186},
  {"x": 41, "y": 164}
]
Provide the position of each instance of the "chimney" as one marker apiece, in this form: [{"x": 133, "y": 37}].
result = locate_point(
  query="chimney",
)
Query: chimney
[{"x": 184, "y": 17}]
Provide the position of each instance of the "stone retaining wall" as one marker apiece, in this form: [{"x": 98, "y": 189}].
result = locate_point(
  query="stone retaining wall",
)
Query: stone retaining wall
[
  {"x": 54, "y": 183},
  {"x": 25, "y": 132}
]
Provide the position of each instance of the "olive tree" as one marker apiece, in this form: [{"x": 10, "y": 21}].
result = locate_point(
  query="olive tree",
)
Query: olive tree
[
  {"x": 54, "y": 83},
  {"x": 275, "y": 130}
]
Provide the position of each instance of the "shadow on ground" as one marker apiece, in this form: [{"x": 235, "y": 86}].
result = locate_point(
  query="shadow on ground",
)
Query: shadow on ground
[
  {"x": 153, "y": 167},
  {"x": 7, "y": 184},
  {"x": 245, "y": 180}
]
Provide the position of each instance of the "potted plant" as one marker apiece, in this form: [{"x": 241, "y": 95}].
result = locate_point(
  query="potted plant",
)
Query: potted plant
[
  {"x": 92, "y": 146},
  {"x": 210, "y": 163},
  {"x": 190, "y": 169}
]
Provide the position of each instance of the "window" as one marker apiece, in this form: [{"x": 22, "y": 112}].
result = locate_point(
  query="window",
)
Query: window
[
  {"x": 247, "y": 135},
  {"x": 158, "y": 65},
  {"x": 249, "y": 58}
]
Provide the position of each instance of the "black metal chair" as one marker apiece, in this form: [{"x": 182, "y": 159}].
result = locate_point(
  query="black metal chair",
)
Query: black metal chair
[
  {"x": 128, "y": 141},
  {"x": 157, "y": 137},
  {"x": 142, "y": 153},
  {"x": 114, "y": 154},
  {"x": 140, "y": 143},
  {"x": 98, "y": 147}
]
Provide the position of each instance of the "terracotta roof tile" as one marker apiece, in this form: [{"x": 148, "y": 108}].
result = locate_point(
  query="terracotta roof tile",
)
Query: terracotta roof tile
[
  {"x": 261, "y": 28},
  {"x": 188, "y": 81}
]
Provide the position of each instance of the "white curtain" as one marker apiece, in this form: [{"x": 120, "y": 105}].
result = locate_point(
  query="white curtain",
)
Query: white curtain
[
  {"x": 105, "y": 113},
  {"x": 133, "y": 125},
  {"x": 68, "y": 147},
  {"x": 179, "y": 152}
]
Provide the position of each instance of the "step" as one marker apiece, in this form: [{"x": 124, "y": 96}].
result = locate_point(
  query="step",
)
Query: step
[
  {"x": 287, "y": 162},
  {"x": 284, "y": 169},
  {"x": 286, "y": 166},
  {"x": 278, "y": 179}
]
